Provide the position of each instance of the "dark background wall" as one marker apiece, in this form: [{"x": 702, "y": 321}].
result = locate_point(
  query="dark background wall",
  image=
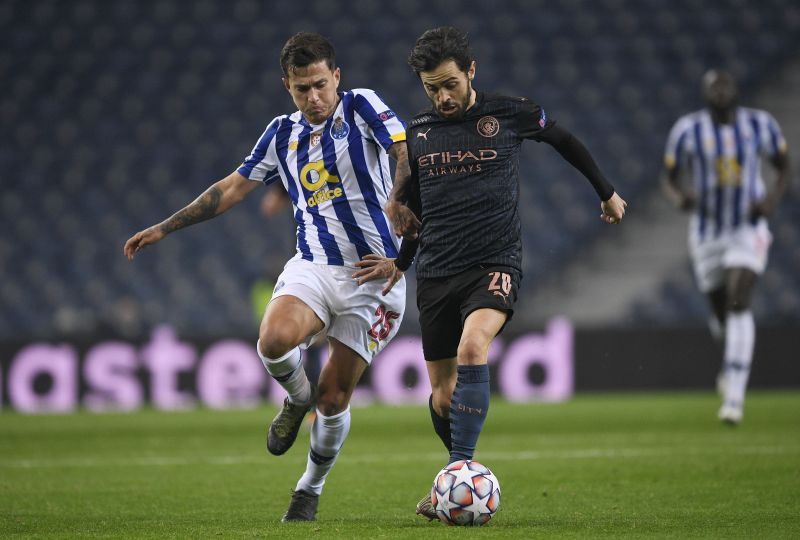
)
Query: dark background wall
[{"x": 116, "y": 114}]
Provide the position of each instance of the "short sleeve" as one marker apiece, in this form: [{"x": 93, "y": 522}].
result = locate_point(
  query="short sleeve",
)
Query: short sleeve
[
  {"x": 379, "y": 122},
  {"x": 677, "y": 141},
  {"x": 262, "y": 163},
  {"x": 532, "y": 120}
]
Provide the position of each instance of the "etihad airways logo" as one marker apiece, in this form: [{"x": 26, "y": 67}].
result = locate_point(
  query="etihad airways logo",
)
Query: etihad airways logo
[{"x": 460, "y": 161}]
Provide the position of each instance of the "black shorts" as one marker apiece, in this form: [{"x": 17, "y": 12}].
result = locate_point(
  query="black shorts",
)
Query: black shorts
[{"x": 444, "y": 304}]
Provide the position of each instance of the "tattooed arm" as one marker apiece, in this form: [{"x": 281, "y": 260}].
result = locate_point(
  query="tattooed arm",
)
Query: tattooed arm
[
  {"x": 215, "y": 200},
  {"x": 402, "y": 218}
]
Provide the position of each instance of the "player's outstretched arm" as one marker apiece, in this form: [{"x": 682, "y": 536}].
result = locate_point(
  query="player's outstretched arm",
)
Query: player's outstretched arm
[
  {"x": 404, "y": 221},
  {"x": 373, "y": 267},
  {"x": 576, "y": 154},
  {"x": 214, "y": 201}
]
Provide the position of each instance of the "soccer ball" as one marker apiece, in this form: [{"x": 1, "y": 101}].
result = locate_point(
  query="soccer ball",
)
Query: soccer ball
[{"x": 465, "y": 493}]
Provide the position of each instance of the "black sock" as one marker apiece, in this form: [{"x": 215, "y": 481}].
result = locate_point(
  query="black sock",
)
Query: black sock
[
  {"x": 441, "y": 426},
  {"x": 468, "y": 410}
]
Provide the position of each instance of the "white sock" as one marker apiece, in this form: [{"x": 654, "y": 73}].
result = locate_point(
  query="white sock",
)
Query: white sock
[
  {"x": 327, "y": 437},
  {"x": 288, "y": 371},
  {"x": 740, "y": 338}
]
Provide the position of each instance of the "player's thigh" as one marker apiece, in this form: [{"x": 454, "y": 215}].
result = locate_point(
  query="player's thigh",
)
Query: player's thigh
[
  {"x": 298, "y": 310},
  {"x": 288, "y": 322},
  {"x": 740, "y": 283},
  {"x": 708, "y": 263},
  {"x": 339, "y": 377},
  {"x": 748, "y": 247},
  {"x": 480, "y": 328},
  {"x": 493, "y": 288},
  {"x": 439, "y": 318},
  {"x": 744, "y": 260},
  {"x": 363, "y": 319}
]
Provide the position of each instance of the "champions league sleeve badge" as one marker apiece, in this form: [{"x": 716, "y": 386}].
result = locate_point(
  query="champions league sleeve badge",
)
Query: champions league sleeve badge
[{"x": 340, "y": 129}]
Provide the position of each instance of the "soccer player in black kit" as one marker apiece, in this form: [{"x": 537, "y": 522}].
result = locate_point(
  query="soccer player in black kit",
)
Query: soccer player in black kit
[{"x": 459, "y": 206}]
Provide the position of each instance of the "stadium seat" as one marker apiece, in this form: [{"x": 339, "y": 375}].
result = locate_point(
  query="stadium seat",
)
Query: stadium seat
[{"x": 119, "y": 113}]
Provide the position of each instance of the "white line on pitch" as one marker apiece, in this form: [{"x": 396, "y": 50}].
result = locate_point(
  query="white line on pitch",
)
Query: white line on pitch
[{"x": 490, "y": 456}]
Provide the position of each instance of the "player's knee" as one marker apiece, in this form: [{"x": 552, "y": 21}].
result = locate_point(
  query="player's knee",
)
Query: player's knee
[
  {"x": 275, "y": 341},
  {"x": 331, "y": 399},
  {"x": 472, "y": 351},
  {"x": 738, "y": 304}
]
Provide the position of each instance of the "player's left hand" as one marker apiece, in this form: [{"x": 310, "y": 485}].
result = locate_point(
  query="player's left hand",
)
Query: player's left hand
[
  {"x": 760, "y": 209},
  {"x": 273, "y": 202},
  {"x": 613, "y": 209},
  {"x": 374, "y": 267}
]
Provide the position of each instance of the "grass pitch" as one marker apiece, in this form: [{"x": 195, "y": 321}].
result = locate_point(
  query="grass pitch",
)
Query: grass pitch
[{"x": 611, "y": 466}]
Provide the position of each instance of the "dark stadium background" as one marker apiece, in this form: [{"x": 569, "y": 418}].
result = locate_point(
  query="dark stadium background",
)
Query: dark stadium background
[{"x": 116, "y": 114}]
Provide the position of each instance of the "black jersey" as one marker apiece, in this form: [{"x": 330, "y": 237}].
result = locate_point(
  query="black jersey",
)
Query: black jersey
[{"x": 466, "y": 175}]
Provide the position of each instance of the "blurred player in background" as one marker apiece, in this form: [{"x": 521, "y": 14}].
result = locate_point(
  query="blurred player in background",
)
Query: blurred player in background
[
  {"x": 461, "y": 202},
  {"x": 331, "y": 156},
  {"x": 728, "y": 234}
]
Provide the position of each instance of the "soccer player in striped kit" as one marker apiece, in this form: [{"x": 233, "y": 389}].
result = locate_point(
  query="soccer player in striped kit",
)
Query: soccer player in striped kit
[
  {"x": 331, "y": 156},
  {"x": 728, "y": 234}
]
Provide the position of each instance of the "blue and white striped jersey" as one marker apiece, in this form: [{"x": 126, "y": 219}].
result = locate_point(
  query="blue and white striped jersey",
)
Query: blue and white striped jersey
[
  {"x": 337, "y": 176},
  {"x": 726, "y": 165}
]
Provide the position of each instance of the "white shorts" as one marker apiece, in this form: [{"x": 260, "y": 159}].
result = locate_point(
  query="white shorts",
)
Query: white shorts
[
  {"x": 746, "y": 247},
  {"x": 357, "y": 316}
]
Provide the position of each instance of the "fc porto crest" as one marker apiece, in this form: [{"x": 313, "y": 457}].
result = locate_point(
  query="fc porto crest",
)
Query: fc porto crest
[
  {"x": 488, "y": 126},
  {"x": 340, "y": 129}
]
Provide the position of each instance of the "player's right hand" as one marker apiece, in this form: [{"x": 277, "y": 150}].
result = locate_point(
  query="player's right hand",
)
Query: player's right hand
[
  {"x": 141, "y": 239},
  {"x": 404, "y": 221}
]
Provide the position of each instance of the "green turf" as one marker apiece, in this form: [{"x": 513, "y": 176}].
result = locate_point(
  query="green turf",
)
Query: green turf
[{"x": 599, "y": 466}]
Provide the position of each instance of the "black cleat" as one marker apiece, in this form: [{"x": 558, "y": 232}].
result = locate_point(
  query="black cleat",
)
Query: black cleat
[
  {"x": 425, "y": 508},
  {"x": 286, "y": 425},
  {"x": 303, "y": 507}
]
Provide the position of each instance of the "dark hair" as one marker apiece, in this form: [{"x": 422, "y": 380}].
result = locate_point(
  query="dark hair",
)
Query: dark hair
[
  {"x": 306, "y": 48},
  {"x": 439, "y": 45}
]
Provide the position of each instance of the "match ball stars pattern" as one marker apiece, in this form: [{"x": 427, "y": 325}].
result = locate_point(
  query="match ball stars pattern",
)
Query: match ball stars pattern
[{"x": 465, "y": 493}]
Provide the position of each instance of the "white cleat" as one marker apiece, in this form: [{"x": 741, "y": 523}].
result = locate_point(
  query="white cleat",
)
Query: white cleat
[{"x": 731, "y": 414}]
